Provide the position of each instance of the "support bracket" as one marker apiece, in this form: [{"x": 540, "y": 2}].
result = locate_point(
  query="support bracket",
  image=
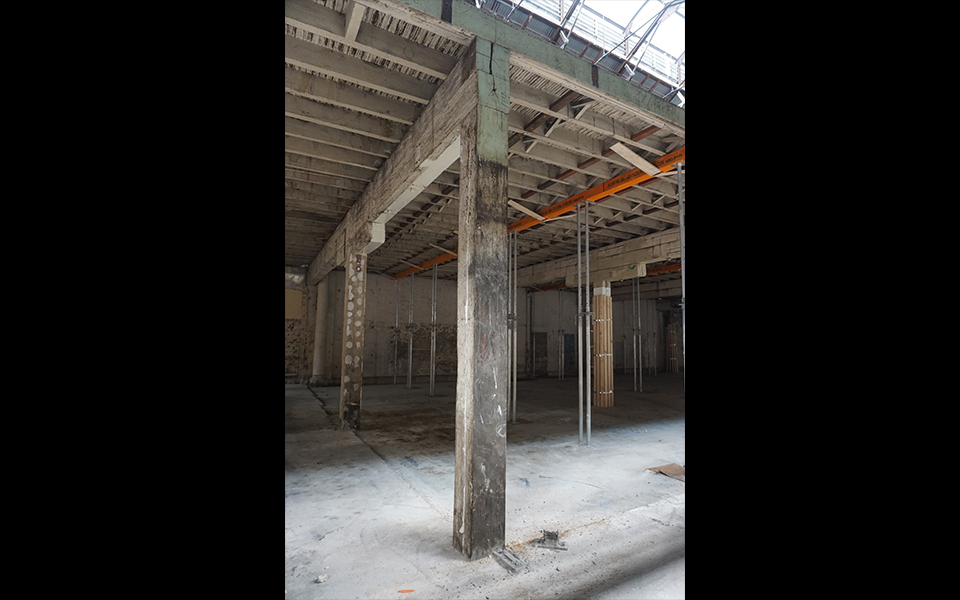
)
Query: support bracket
[
  {"x": 550, "y": 540},
  {"x": 507, "y": 559}
]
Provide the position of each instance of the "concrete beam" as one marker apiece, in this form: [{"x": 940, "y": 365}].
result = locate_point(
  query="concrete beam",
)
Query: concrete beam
[
  {"x": 326, "y": 22},
  {"x": 353, "y": 17},
  {"x": 340, "y": 118},
  {"x": 348, "y": 96},
  {"x": 660, "y": 289},
  {"x": 294, "y": 177},
  {"x": 323, "y": 167},
  {"x": 612, "y": 262},
  {"x": 430, "y": 146},
  {"x": 313, "y": 57},
  {"x": 336, "y": 137},
  {"x": 461, "y": 21},
  {"x": 319, "y": 189},
  {"x": 295, "y": 145}
]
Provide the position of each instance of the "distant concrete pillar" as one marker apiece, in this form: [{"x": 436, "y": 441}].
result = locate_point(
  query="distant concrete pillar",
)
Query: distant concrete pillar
[
  {"x": 351, "y": 371},
  {"x": 479, "y": 512},
  {"x": 321, "y": 371},
  {"x": 309, "y": 334}
]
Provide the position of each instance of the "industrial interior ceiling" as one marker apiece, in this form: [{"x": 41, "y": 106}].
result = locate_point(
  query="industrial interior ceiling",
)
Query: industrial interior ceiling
[{"x": 355, "y": 80}]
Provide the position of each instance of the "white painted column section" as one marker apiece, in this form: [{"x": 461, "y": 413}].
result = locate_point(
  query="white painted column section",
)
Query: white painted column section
[{"x": 351, "y": 371}]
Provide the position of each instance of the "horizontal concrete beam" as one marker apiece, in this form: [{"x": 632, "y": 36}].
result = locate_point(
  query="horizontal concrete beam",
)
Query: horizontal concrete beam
[
  {"x": 615, "y": 262},
  {"x": 463, "y": 21},
  {"x": 429, "y": 147},
  {"x": 345, "y": 95},
  {"x": 328, "y": 23},
  {"x": 343, "y": 119},
  {"x": 313, "y": 57}
]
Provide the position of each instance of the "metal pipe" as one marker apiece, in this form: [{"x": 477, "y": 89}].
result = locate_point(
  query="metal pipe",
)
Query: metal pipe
[
  {"x": 515, "y": 7},
  {"x": 586, "y": 219},
  {"x": 639, "y": 337},
  {"x": 657, "y": 336},
  {"x": 396, "y": 332},
  {"x": 630, "y": 35},
  {"x": 527, "y": 357},
  {"x": 433, "y": 334},
  {"x": 683, "y": 279},
  {"x": 579, "y": 330},
  {"x": 560, "y": 333},
  {"x": 510, "y": 326},
  {"x": 516, "y": 321},
  {"x": 633, "y": 299},
  {"x": 410, "y": 344}
]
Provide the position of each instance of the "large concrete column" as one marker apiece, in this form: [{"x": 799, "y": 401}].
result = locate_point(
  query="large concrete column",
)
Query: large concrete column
[
  {"x": 321, "y": 371},
  {"x": 351, "y": 371},
  {"x": 479, "y": 513}
]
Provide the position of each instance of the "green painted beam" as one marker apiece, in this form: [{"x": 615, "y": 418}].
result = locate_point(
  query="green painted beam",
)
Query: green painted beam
[{"x": 535, "y": 54}]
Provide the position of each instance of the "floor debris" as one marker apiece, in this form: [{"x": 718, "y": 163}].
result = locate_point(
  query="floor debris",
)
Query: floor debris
[
  {"x": 321, "y": 578},
  {"x": 672, "y": 470}
]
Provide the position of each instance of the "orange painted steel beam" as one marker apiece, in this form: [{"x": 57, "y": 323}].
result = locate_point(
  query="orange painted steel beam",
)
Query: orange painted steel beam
[
  {"x": 663, "y": 269},
  {"x": 595, "y": 194},
  {"x": 446, "y": 256},
  {"x": 598, "y": 192}
]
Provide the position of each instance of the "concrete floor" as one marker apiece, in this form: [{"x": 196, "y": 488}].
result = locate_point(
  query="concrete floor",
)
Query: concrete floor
[{"x": 371, "y": 511}]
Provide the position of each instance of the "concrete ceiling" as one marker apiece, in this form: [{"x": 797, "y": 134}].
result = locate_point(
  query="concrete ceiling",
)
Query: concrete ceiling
[{"x": 357, "y": 76}]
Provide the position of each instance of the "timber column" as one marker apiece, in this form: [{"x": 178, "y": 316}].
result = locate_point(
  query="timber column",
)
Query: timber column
[
  {"x": 351, "y": 371},
  {"x": 479, "y": 507}
]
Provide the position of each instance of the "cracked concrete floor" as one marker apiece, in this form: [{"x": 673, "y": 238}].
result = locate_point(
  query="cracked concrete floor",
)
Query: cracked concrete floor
[{"x": 370, "y": 512}]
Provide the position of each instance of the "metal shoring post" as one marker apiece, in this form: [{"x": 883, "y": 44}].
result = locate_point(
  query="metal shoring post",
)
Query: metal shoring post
[
  {"x": 516, "y": 321},
  {"x": 659, "y": 330},
  {"x": 509, "y": 327},
  {"x": 633, "y": 300},
  {"x": 683, "y": 279},
  {"x": 639, "y": 338},
  {"x": 528, "y": 356},
  {"x": 579, "y": 330},
  {"x": 396, "y": 344},
  {"x": 410, "y": 334},
  {"x": 560, "y": 332},
  {"x": 586, "y": 220},
  {"x": 433, "y": 334}
]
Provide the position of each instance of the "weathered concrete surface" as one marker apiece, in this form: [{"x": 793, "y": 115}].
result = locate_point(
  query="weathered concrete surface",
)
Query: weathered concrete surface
[
  {"x": 482, "y": 361},
  {"x": 352, "y": 350},
  {"x": 383, "y": 496},
  {"x": 292, "y": 346},
  {"x": 426, "y": 148},
  {"x": 295, "y": 343},
  {"x": 380, "y": 331},
  {"x": 446, "y": 351}
]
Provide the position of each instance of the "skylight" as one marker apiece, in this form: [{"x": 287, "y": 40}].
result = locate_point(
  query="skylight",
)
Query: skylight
[{"x": 640, "y": 40}]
